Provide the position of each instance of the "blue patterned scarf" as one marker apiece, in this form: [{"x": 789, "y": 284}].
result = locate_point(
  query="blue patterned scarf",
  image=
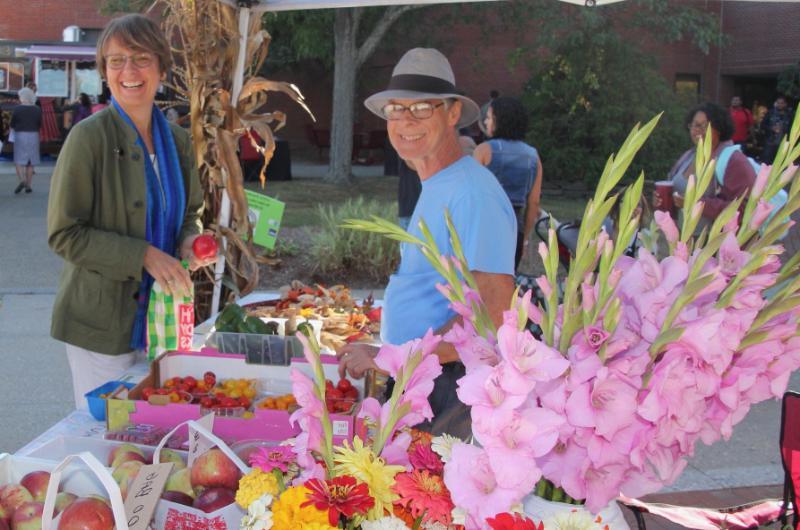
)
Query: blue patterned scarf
[{"x": 166, "y": 205}]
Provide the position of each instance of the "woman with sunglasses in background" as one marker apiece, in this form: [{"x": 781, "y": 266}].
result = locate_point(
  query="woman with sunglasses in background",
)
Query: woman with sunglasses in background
[
  {"x": 738, "y": 175},
  {"x": 124, "y": 208}
]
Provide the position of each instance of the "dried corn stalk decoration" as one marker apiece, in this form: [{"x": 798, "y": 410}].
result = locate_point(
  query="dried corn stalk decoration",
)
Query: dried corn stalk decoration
[{"x": 204, "y": 36}]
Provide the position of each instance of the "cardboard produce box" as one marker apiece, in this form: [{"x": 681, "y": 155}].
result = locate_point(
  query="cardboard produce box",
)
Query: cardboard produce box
[{"x": 265, "y": 424}]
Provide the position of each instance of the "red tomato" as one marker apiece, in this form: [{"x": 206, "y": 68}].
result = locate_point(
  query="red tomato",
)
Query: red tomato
[
  {"x": 205, "y": 247},
  {"x": 147, "y": 392},
  {"x": 207, "y": 402},
  {"x": 210, "y": 379},
  {"x": 351, "y": 393},
  {"x": 190, "y": 381},
  {"x": 344, "y": 385}
]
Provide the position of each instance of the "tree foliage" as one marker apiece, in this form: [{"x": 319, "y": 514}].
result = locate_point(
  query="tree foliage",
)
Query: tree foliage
[{"x": 592, "y": 84}]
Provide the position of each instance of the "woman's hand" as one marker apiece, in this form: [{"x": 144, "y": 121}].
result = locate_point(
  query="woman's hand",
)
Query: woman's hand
[
  {"x": 188, "y": 254},
  {"x": 167, "y": 271},
  {"x": 355, "y": 359},
  {"x": 656, "y": 201}
]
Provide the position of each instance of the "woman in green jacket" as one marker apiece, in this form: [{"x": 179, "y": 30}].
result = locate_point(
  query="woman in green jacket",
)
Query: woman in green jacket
[{"x": 125, "y": 204}]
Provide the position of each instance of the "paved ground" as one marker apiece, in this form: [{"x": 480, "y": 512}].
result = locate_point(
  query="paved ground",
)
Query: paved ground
[{"x": 35, "y": 387}]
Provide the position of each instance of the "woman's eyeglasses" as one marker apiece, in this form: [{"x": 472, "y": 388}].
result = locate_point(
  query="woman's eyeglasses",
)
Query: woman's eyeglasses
[
  {"x": 694, "y": 126},
  {"x": 139, "y": 60},
  {"x": 421, "y": 111}
]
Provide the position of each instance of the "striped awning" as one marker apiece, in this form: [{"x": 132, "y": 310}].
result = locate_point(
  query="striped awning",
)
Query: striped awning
[{"x": 61, "y": 53}]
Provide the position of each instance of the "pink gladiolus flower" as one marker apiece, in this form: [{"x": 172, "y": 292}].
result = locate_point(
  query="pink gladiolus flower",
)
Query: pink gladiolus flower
[
  {"x": 305, "y": 393},
  {"x": 395, "y": 452},
  {"x": 788, "y": 175},
  {"x": 760, "y": 214},
  {"x": 544, "y": 252},
  {"x": 588, "y": 298},
  {"x": 606, "y": 404},
  {"x": 762, "y": 178},
  {"x": 667, "y": 226},
  {"x": 595, "y": 337},
  {"x": 544, "y": 285},
  {"x": 731, "y": 257},
  {"x": 392, "y": 358},
  {"x": 473, "y": 350},
  {"x": 472, "y": 484},
  {"x": 530, "y": 359}
]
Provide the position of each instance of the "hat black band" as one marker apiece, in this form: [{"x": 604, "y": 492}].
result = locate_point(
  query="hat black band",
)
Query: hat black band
[{"x": 421, "y": 83}]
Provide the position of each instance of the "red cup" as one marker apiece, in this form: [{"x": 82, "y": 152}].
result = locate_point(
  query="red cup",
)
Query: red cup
[{"x": 664, "y": 192}]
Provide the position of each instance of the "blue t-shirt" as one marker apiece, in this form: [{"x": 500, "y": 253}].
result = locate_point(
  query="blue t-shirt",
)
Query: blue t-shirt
[{"x": 487, "y": 228}]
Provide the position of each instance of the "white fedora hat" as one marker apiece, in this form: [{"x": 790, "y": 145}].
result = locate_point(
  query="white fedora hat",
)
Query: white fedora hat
[{"x": 423, "y": 73}]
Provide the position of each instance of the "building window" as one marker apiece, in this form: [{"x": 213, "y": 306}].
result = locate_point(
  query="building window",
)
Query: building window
[
  {"x": 12, "y": 77},
  {"x": 51, "y": 78},
  {"x": 687, "y": 86}
]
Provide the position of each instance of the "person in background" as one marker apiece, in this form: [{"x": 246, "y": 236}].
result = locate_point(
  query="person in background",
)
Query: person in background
[
  {"x": 26, "y": 120},
  {"x": 516, "y": 164},
  {"x": 83, "y": 110},
  {"x": 775, "y": 126},
  {"x": 742, "y": 121},
  {"x": 423, "y": 110},
  {"x": 102, "y": 101},
  {"x": 124, "y": 209},
  {"x": 739, "y": 175},
  {"x": 493, "y": 94}
]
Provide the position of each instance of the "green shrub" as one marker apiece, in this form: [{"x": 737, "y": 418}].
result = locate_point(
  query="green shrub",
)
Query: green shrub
[
  {"x": 334, "y": 249},
  {"x": 585, "y": 96}
]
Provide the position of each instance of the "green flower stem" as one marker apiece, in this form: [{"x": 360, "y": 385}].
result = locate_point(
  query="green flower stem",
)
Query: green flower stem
[
  {"x": 396, "y": 412},
  {"x": 319, "y": 389}
]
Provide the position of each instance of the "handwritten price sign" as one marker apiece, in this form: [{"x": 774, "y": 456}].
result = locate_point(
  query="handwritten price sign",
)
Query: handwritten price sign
[{"x": 144, "y": 494}]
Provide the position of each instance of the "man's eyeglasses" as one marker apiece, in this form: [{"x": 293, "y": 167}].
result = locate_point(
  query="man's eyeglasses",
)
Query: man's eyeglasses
[
  {"x": 421, "y": 110},
  {"x": 139, "y": 60}
]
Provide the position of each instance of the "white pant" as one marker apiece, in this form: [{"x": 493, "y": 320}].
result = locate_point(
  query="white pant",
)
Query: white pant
[{"x": 91, "y": 369}]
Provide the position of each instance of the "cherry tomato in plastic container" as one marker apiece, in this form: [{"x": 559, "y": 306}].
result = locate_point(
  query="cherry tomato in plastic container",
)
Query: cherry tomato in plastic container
[{"x": 205, "y": 247}]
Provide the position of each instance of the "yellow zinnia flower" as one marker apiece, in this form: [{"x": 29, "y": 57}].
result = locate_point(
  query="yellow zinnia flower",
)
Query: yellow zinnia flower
[
  {"x": 288, "y": 513},
  {"x": 255, "y": 484},
  {"x": 362, "y": 464}
]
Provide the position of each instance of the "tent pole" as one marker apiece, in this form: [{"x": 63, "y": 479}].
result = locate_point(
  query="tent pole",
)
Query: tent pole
[{"x": 225, "y": 207}]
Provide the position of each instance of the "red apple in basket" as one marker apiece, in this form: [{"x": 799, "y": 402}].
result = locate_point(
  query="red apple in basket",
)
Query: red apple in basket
[
  {"x": 171, "y": 455},
  {"x": 87, "y": 514},
  {"x": 28, "y": 516},
  {"x": 123, "y": 453},
  {"x": 124, "y": 474},
  {"x": 180, "y": 481},
  {"x": 64, "y": 499},
  {"x": 177, "y": 496},
  {"x": 213, "y": 469},
  {"x": 36, "y": 483},
  {"x": 13, "y": 495},
  {"x": 214, "y": 499},
  {"x": 5, "y": 515}
]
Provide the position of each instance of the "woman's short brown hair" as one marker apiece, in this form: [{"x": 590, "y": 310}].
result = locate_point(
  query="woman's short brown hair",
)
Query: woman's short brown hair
[{"x": 138, "y": 33}]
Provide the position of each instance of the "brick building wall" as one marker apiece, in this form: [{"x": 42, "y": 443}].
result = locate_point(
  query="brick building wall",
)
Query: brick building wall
[{"x": 45, "y": 20}]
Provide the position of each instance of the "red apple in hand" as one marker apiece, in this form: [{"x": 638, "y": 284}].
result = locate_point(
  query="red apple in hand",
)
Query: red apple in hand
[
  {"x": 28, "y": 516},
  {"x": 205, "y": 247},
  {"x": 213, "y": 469},
  {"x": 87, "y": 514}
]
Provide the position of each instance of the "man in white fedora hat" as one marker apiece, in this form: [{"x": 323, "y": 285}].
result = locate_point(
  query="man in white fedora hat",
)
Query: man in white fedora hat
[{"x": 423, "y": 110}]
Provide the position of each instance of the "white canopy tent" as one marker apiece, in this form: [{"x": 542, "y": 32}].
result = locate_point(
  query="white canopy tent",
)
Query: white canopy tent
[{"x": 248, "y": 7}]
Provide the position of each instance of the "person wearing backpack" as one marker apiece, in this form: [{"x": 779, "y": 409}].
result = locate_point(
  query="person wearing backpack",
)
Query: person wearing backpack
[{"x": 737, "y": 174}]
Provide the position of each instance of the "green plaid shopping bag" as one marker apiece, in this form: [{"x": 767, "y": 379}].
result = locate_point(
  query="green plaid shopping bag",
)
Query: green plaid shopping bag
[{"x": 170, "y": 322}]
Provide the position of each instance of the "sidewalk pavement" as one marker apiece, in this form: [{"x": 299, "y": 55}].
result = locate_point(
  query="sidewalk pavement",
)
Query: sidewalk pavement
[{"x": 36, "y": 392}]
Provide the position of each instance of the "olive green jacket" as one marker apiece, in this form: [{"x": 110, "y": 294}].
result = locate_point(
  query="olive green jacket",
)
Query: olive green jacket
[{"x": 96, "y": 219}]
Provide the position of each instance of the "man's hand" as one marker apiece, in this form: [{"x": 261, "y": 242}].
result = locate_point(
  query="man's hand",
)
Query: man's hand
[{"x": 355, "y": 359}]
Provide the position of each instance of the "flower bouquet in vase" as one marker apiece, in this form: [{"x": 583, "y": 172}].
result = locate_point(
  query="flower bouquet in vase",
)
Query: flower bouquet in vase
[{"x": 642, "y": 358}]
